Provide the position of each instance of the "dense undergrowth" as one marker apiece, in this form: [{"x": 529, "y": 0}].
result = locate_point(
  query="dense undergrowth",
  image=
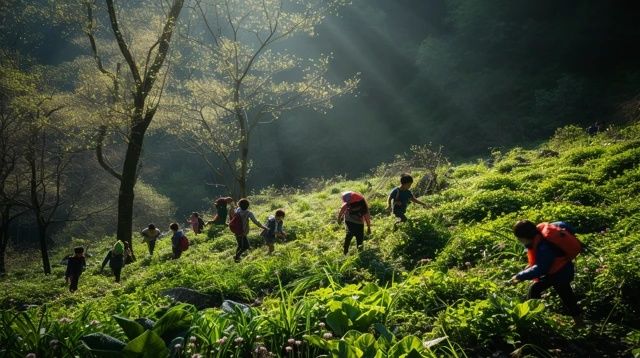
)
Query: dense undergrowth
[{"x": 436, "y": 286}]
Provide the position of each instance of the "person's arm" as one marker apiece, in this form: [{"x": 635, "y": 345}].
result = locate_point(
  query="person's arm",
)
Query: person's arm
[
  {"x": 391, "y": 196},
  {"x": 106, "y": 259},
  {"x": 367, "y": 220},
  {"x": 255, "y": 221},
  {"x": 415, "y": 200},
  {"x": 67, "y": 273},
  {"x": 342, "y": 211},
  {"x": 544, "y": 259}
]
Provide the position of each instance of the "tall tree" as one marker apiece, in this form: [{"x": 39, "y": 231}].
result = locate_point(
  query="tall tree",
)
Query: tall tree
[
  {"x": 242, "y": 75},
  {"x": 136, "y": 95},
  {"x": 12, "y": 136}
]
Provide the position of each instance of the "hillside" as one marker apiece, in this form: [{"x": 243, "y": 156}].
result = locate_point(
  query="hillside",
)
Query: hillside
[{"x": 436, "y": 286}]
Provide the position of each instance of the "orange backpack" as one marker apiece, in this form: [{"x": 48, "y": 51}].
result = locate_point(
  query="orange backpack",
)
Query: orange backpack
[{"x": 562, "y": 238}]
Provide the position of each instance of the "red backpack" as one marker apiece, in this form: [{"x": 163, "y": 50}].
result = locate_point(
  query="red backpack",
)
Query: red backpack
[
  {"x": 562, "y": 238},
  {"x": 184, "y": 243},
  {"x": 235, "y": 225}
]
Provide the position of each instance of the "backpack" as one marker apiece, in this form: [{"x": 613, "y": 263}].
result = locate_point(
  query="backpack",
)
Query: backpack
[
  {"x": 184, "y": 243},
  {"x": 118, "y": 248},
  {"x": 561, "y": 235},
  {"x": 235, "y": 225}
]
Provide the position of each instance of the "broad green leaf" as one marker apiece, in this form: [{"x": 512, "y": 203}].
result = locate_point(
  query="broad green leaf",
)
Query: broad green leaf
[
  {"x": 521, "y": 309},
  {"x": 174, "y": 323},
  {"x": 404, "y": 346},
  {"x": 367, "y": 344},
  {"x": 131, "y": 328},
  {"x": 103, "y": 345},
  {"x": 317, "y": 341},
  {"x": 338, "y": 322},
  {"x": 347, "y": 351},
  {"x": 147, "y": 345},
  {"x": 384, "y": 333}
]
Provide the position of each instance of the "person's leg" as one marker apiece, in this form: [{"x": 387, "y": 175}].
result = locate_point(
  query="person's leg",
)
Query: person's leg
[
  {"x": 74, "y": 283},
  {"x": 359, "y": 234},
  {"x": 535, "y": 291},
  {"x": 347, "y": 239},
  {"x": 116, "y": 272},
  {"x": 569, "y": 299},
  {"x": 152, "y": 246},
  {"x": 243, "y": 245},
  {"x": 176, "y": 253}
]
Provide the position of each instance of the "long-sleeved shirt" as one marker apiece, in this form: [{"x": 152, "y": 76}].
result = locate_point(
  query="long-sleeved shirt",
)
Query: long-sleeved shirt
[
  {"x": 175, "y": 239},
  {"x": 75, "y": 265},
  {"x": 354, "y": 216},
  {"x": 150, "y": 235},
  {"x": 546, "y": 253},
  {"x": 114, "y": 261},
  {"x": 245, "y": 215}
]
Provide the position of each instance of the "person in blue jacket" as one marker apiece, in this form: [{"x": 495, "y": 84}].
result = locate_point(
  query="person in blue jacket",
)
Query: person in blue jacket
[{"x": 548, "y": 267}]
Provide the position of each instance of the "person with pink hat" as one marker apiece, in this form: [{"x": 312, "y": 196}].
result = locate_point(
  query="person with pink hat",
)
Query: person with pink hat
[{"x": 355, "y": 213}]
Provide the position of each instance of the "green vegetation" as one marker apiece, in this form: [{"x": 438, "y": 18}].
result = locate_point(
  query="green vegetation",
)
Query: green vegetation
[{"x": 434, "y": 287}]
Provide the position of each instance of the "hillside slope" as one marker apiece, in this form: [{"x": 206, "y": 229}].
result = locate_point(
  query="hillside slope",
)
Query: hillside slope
[{"x": 436, "y": 286}]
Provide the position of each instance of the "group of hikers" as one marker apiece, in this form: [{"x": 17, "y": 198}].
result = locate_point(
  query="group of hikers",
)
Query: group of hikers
[{"x": 550, "y": 247}]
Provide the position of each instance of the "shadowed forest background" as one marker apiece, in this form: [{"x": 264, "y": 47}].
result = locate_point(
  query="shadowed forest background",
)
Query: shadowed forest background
[{"x": 469, "y": 76}]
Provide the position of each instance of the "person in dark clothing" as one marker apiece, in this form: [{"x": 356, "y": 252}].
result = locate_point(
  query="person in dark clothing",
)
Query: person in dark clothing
[
  {"x": 115, "y": 258},
  {"x": 548, "y": 267},
  {"x": 355, "y": 213},
  {"x": 274, "y": 223},
  {"x": 222, "y": 210},
  {"x": 401, "y": 196},
  {"x": 244, "y": 215},
  {"x": 175, "y": 240},
  {"x": 75, "y": 266}
]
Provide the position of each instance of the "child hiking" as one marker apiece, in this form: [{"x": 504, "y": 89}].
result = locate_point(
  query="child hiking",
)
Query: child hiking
[
  {"x": 355, "y": 213},
  {"x": 550, "y": 251},
  {"x": 222, "y": 210},
  {"x": 274, "y": 225},
  {"x": 239, "y": 225},
  {"x": 179, "y": 241},
  {"x": 149, "y": 235},
  {"x": 401, "y": 197},
  {"x": 197, "y": 224},
  {"x": 75, "y": 266},
  {"x": 115, "y": 257}
]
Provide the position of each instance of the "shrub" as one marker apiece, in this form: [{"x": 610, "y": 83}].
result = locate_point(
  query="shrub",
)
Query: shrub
[
  {"x": 581, "y": 155},
  {"x": 495, "y": 182},
  {"x": 421, "y": 238},
  {"x": 489, "y": 204},
  {"x": 616, "y": 165},
  {"x": 585, "y": 219}
]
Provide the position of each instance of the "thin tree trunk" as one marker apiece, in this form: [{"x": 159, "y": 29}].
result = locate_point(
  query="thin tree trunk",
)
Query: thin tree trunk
[
  {"x": 4, "y": 239},
  {"x": 129, "y": 178},
  {"x": 44, "y": 250}
]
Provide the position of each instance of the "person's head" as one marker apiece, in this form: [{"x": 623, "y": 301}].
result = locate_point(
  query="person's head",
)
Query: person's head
[
  {"x": 279, "y": 214},
  {"x": 152, "y": 227},
  {"x": 194, "y": 214},
  {"x": 243, "y": 204},
  {"x": 78, "y": 250},
  {"x": 406, "y": 180},
  {"x": 174, "y": 227},
  {"x": 525, "y": 231}
]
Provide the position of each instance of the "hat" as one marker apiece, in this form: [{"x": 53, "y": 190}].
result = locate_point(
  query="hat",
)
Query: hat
[{"x": 350, "y": 197}]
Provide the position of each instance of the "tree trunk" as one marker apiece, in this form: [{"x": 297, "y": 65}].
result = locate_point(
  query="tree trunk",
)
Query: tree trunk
[
  {"x": 44, "y": 250},
  {"x": 4, "y": 239},
  {"x": 128, "y": 183}
]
